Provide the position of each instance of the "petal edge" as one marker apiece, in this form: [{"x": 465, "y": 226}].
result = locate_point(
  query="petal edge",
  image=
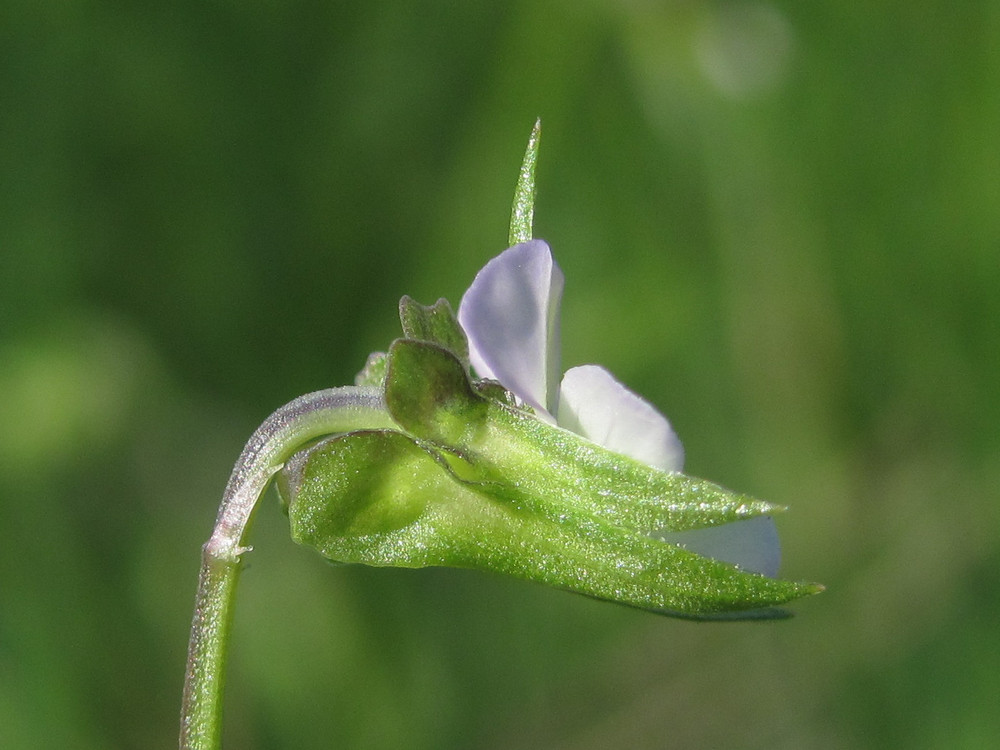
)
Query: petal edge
[
  {"x": 510, "y": 314},
  {"x": 750, "y": 545},
  {"x": 595, "y": 405}
]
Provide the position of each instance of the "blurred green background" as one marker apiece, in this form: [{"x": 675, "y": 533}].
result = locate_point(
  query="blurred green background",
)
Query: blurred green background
[{"x": 780, "y": 222}]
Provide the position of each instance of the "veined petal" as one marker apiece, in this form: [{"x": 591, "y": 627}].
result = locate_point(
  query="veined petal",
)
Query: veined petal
[
  {"x": 595, "y": 405},
  {"x": 511, "y": 316},
  {"x": 750, "y": 545}
]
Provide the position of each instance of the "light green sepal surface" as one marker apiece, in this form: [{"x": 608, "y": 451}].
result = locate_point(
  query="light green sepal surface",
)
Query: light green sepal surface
[
  {"x": 384, "y": 499},
  {"x": 429, "y": 395},
  {"x": 522, "y": 213},
  {"x": 469, "y": 481}
]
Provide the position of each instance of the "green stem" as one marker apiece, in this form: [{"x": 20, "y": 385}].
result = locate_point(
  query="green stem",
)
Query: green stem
[{"x": 306, "y": 418}]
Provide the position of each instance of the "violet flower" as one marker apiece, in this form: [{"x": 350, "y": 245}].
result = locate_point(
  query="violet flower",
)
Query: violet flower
[{"x": 510, "y": 314}]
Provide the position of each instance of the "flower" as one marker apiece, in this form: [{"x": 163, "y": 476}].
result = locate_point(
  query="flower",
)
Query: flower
[
  {"x": 572, "y": 483},
  {"x": 510, "y": 315}
]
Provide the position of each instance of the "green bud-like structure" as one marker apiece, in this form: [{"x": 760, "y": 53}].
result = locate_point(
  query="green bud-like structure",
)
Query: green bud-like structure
[{"x": 470, "y": 480}]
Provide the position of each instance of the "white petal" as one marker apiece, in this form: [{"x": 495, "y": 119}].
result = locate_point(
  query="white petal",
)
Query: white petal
[
  {"x": 752, "y": 544},
  {"x": 511, "y": 316},
  {"x": 593, "y": 404}
]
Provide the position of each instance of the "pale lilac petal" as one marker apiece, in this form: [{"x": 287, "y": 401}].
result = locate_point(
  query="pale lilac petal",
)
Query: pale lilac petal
[
  {"x": 752, "y": 544},
  {"x": 511, "y": 316},
  {"x": 593, "y": 404}
]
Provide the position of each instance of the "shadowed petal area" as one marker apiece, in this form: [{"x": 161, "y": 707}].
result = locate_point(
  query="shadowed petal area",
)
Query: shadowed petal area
[
  {"x": 511, "y": 316},
  {"x": 752, "y": 544},
  {"x": 595, "y": 405}
]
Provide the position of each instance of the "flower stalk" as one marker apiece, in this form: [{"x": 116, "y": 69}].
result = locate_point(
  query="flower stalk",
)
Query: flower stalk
[{"x": 271, "y": 445}]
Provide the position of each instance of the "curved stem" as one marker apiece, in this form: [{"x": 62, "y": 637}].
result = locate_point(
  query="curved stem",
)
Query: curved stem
[{"x": 281, "y": 435}]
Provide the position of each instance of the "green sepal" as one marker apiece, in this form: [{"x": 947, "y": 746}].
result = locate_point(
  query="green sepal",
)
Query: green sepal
[
  {"x": 566, "y": 472},
  {"x": 366, "y": 479},
  {"x": 383, "y": 498},
  {"x": 522, "y": 212},
  {"x": 471, "y": 481},
  {"x": 492, "y": 389},
  {"x": 436, "y": 324},
  {"x": 428, "y": 393},
  {"x": 373, "y": 373}
]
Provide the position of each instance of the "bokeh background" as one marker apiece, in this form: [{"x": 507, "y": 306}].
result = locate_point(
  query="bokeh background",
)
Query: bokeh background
[{"x": 779, "y": 221}]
